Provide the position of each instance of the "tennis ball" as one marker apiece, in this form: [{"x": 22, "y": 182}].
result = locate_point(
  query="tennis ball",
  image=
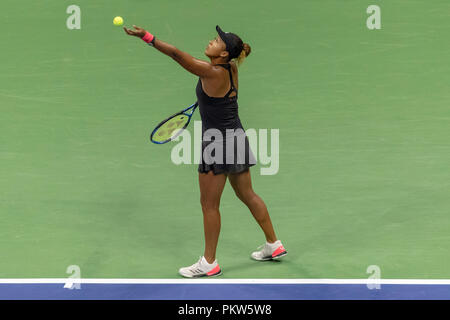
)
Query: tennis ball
[{"x": 118, "y": 21}]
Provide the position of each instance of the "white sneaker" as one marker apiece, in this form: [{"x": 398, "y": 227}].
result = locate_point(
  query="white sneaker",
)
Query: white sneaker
[
  {"x": 270, "y": 251},
  {"x": 201, "y": 269}
]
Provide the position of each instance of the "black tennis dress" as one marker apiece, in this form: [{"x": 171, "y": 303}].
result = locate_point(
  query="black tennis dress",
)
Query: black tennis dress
[{"x": 225, "y": 146}]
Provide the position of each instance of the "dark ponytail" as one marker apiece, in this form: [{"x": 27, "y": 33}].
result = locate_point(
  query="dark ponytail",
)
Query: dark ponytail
[{"x": 244, "y": 54}]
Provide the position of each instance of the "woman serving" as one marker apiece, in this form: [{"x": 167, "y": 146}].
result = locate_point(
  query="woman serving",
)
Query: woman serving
[{"x": 217, "y": 94}]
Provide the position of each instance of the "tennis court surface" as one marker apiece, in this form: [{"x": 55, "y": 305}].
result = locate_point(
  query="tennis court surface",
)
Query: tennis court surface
[{"x": 363, "y": 180}]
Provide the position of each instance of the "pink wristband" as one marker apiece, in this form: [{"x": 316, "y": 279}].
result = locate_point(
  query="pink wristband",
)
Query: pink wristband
[{"x": 148, "y": 37}]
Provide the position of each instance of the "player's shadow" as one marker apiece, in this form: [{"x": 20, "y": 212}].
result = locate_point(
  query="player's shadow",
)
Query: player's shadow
[
  {"x": 293, "y": 267},
  {"x": 250, "y": 264}
]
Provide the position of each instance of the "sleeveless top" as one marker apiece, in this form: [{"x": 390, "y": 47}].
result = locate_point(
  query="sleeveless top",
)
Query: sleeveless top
[{"x": 218, "y": 112}]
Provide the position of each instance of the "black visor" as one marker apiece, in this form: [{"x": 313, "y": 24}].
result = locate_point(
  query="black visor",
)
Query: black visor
[{"x": 233, "y": 43}]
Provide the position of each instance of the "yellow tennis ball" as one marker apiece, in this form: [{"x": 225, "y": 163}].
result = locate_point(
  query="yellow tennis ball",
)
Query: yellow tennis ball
[{"x": 118, "y": 21}]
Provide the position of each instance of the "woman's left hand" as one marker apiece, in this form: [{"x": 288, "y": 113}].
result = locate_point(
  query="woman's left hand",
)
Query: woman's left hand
[{"x": 139, "y": 32}]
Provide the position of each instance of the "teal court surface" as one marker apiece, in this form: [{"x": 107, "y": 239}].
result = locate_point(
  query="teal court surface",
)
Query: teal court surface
[{"x": 363, "y": 118}]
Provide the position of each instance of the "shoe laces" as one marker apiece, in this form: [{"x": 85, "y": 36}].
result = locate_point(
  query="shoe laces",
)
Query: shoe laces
[
  {"x": 261, "y": 246},
  {"x": 264, "y": 247},
  {"x": 197, "y": 264}
]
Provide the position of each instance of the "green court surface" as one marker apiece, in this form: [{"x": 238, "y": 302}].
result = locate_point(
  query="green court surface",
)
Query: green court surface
[{"x": 363, "y": 117}]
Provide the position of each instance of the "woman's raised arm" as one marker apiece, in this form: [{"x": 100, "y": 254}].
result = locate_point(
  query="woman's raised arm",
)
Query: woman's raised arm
[{"x": 198, "y": 67}]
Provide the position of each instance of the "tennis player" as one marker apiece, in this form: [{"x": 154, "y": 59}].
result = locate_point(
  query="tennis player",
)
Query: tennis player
[{"x": 217, "y": 94}]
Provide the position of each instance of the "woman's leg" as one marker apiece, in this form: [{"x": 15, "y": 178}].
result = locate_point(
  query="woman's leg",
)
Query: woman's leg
[
  {"x": 242, "y": 185},
  {"x": 211, "y": 187}
]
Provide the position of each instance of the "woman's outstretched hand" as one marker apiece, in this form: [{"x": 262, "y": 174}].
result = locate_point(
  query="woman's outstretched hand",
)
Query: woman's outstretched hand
[{"x": 139, "y": 32}]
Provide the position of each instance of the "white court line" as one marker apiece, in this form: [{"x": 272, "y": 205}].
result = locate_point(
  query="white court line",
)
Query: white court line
[{"x": 227, "y": 281}]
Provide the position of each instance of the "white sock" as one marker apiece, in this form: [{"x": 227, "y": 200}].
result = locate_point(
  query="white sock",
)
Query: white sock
[
  {"x": 274, "y": 245},
  {"x": 206, "y": 263}
]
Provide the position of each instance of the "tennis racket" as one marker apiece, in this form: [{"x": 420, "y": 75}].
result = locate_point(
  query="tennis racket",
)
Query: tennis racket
[{"x": 169, "y": 129}]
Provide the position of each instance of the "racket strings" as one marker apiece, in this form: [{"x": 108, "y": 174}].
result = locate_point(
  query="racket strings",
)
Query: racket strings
[{"x": 169, "y": 129}]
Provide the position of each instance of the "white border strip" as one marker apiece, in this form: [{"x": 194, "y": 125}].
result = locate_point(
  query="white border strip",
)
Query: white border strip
[{"x": 227, "y": 281}]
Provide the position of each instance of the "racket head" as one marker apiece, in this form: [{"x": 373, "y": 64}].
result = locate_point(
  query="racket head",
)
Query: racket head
[{"x": 170, "y": 128}]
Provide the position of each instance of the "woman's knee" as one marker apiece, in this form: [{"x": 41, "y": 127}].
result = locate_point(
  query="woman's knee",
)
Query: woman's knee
[
  {"x": 247, "y": 197},
  {"x": 209, "y": 204}
]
